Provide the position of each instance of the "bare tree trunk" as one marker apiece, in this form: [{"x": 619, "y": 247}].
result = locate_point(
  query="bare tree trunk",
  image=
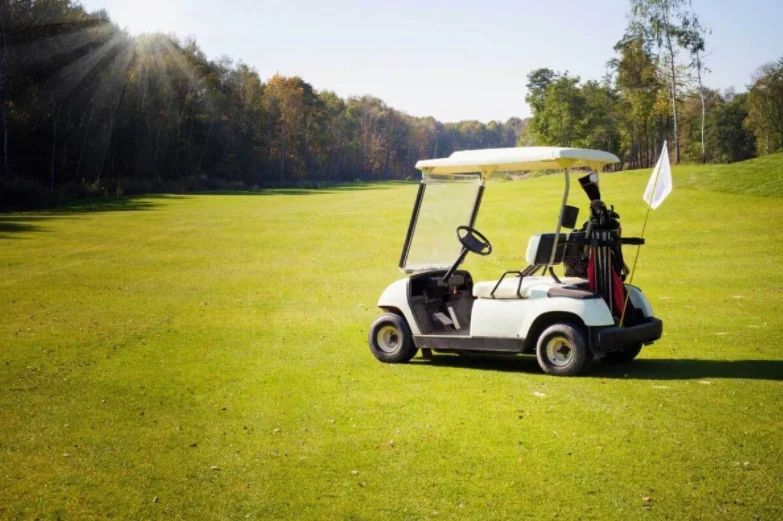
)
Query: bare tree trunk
[
  {"x": 67, "y": 129},
  {"x": 179, "y": 126},
  {"x": 84, "y": 139},
  {"x": 334, "y": 156},
  {"x": 308, "y": 162},
  {"x": 206, "y": 144},
  {"x": 190, "y": 141},
  {"x": 176, "y": 146},
  {"x": 110, "y": 140},
  {"x": 703, "y": 108},
  {"x": 338, "y": 164},
  {"x": 329, "y": 161},
  {"x": 160, "y": 130},
  {"x": 3, "y": 115},
  {"x": 389, "y": 145},
  {"x": 143, "y": 87},
  {"x": 106, "y": 149},
  {"x": 282, "y": 154},
  {"x": 54, "y": 141},
  {"x": 673, "y": 79}
]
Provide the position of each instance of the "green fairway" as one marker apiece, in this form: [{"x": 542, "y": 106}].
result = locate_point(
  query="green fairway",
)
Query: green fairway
[{"x": 205, "y": 357}]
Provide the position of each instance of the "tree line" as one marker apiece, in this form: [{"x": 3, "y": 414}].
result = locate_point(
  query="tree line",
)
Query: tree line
[
  {"x": 86, "y": 109},
  {"x": 654, "y": 92}
]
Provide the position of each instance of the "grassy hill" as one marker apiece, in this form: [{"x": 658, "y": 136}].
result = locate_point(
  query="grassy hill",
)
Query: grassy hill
[
  {"x": 761, "y": 176},
  {"x": 205, "y": 357}
]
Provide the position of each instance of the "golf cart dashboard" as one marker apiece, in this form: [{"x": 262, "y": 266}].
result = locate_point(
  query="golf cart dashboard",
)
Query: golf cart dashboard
[
  {"x": 432, "y": 283},
  {"x": 442, "y": 307}
]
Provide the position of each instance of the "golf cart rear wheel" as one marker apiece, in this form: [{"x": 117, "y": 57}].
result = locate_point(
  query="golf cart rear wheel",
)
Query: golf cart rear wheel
[
  {"x": 390, "y": 339},
  {"x": 562, "y": 349},
  {"x": 623, "y": 356}
]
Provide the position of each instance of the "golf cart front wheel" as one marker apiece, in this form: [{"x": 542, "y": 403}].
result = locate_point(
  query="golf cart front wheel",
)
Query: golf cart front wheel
[
  {"x": 390, "y": 339},
  {"x": 623, "y": 356},
  {"x": 562, "y": 349}
]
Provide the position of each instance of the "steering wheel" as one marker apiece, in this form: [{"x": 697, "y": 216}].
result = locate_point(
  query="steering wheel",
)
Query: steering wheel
[{"x": 474, "y": 241}]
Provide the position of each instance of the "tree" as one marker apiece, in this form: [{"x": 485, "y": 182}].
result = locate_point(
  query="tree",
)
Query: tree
[
  {"x": 92, "y": 110},
  {"x": 639, "y": 88},
  {"x": 657, "y": 20},
  {"x": 3, "y": 60},
  {"x": 283, "y": 100},
  {"x": 558, "y": 108},
  {"x": 765, "y": 107},
  {"x": 538, "y": 82},
  {"x": 692, "y": 38},
  {"x": 600, "y": 116},
  {"x": 733, "y": 140},
  {"x": 537, "y": 85}
]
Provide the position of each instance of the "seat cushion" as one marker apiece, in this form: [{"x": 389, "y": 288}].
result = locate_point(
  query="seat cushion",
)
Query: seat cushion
[
  {"x": 571, "y": 292},
  {"x": 508, "y": 288}
]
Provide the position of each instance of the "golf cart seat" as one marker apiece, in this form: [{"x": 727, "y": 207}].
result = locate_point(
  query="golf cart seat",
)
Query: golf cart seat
[
  {"x": 507, "y": 289},
  {"x": 539, "y": 251}
]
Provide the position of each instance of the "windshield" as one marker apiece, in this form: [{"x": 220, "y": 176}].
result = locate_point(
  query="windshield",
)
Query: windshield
[{"x": 445, "y": 204}]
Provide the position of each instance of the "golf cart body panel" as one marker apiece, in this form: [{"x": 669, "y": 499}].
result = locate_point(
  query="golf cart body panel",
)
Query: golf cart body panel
[
  {"x": 638, "y": 299},
  {"x": 513, "y": 318},
  {"x": 522, "y": 311},
  {"x": 395, "y": 298}
]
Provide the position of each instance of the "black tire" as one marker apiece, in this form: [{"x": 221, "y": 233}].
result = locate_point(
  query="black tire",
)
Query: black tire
[
  {"x": 624, "y": 356},
  {"x": 390, "y": 339},
  {"x": 562, "y": 349}
]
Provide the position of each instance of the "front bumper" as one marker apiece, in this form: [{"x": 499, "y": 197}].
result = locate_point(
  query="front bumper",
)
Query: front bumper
[{"x": 612, "y": 339}]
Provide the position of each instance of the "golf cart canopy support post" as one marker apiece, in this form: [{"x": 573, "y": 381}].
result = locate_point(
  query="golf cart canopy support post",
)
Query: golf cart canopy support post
[{"x": 412, "y": 223}]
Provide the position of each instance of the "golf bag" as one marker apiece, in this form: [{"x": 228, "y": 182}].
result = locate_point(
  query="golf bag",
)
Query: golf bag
[{"x": 606, "y": 269}]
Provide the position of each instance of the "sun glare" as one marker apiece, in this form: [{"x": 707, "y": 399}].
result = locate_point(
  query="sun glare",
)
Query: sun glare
[{"x": 148, "y": 16}]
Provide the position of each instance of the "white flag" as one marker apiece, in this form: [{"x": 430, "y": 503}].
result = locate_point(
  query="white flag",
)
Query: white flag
[{"x": 660, "y": 184}]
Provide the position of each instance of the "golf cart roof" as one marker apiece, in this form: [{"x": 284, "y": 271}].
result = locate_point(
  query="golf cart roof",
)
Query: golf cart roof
[{"x": 491, "y": 160}]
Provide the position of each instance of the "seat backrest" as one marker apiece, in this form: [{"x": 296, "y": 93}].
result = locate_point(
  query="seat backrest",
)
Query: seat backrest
[{"x": 539, "y": 248}]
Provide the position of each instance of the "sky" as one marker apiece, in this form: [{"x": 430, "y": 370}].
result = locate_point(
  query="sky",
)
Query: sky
[{"x": 454, "y": 60}]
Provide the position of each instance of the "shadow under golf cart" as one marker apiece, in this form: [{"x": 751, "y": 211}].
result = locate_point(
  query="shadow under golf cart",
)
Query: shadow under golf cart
[{"x": 640, "y": 369}]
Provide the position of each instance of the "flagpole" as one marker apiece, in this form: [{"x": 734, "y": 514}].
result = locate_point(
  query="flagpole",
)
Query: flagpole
[{"x": 639, "y": 247}]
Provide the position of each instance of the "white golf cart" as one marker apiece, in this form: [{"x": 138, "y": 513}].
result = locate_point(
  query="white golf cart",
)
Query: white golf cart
[{"x": 566, "y": 321}]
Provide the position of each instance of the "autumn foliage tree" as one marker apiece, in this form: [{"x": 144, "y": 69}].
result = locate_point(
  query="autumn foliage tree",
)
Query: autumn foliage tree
[{"x": 87, "y": 110}]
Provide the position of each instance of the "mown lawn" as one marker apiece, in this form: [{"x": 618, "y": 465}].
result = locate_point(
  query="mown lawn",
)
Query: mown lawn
[{"x": 204, "y": 357}]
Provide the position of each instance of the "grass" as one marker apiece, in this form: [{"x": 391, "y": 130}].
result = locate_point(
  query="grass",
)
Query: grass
[
  {"x": 762, "y": 176},
  {"x": 204, "y": 357}
]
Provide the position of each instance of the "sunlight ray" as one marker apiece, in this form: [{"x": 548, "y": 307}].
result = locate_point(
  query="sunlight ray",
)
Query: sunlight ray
[
  {"x": 177, "y": 54},
  {"x": 109, "y": 91},
  {"x": 54, "y": 47},
  {"x": 70, "y": 76}
]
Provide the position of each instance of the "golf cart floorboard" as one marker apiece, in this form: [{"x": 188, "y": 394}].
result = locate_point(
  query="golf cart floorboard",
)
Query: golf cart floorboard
[{"x": 453, "y": 342}]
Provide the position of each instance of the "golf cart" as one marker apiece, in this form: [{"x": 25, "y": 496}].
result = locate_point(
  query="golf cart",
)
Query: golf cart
[{"x": 565, "y": 320}]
